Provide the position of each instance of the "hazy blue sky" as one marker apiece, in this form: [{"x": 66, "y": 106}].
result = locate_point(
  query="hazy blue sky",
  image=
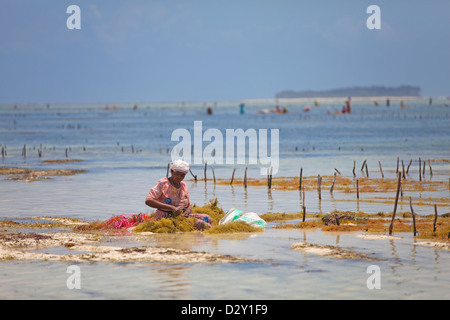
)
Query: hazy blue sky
[{"x": 188, "y": 50}]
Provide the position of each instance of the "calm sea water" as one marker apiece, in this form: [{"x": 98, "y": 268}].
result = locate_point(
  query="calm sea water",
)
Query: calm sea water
[{"x": 126, "y": 150}]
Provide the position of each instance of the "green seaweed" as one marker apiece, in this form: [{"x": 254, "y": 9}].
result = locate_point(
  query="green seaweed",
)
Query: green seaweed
[
  {"x": 212, "y": 209},
  {"x": 280, "y": 216},
  {"x": 233, "y": 227},
  {"x": 167, "y": 225}
]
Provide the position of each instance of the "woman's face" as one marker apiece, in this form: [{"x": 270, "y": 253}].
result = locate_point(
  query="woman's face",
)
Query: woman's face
[{"x": 178, "y": 176}]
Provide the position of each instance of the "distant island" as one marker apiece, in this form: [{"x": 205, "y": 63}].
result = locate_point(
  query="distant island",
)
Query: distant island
[{"x": 373, "y": 91}]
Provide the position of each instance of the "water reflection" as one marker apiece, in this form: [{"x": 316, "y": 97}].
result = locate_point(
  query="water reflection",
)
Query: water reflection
[
  {"x": 172, "y": 282},
  {"x": 269, "y": 200}
]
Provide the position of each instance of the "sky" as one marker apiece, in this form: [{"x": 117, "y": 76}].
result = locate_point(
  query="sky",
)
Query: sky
[{"x": 215, "y": 50}]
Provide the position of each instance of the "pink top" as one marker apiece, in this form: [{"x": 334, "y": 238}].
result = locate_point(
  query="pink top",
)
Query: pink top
[{"x": 164, "y": 192}]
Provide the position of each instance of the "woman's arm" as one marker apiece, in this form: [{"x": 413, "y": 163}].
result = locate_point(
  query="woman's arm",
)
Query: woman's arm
[{"x": 162, "y": 206}]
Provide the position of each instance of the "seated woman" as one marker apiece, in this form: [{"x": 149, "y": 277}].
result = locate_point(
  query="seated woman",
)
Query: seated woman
[{"x": 170, "y": 196}]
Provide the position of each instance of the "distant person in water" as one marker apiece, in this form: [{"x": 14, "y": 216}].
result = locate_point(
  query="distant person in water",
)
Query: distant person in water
[
  {"x": 170, "y": 197},
  {"x": 278, "y": 109},
  {"x": 241, "y": 108},
  {"x": 348, "y": 108}
]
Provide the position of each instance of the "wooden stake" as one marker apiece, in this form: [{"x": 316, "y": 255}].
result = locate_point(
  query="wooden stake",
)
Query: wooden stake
[
  {"x": 337, "y": 171},
  {"x": 214, "y": 176},
  {"x": 195, "y": 177},
  {"x": 300, "y": 180},
  {"x": 270, "y": 178},
  {"x": 354, "y": 174},
  {"x": 204, "y": 172},
  {"x": 414, "y": 216},
  {"x": 435, "y": 218},
  {"x": 357, "y": 188},
  {"x": 395, "y": 204},
  {"x": 232, "y": 176},
  {"x": 381, "y": 169},
  {"x": 407, "y": 169},
  {"x": 245, "y": 178},
  {"x": 420, "y": 170},
  {"x": 403, "y": 170},
  {"x": 167, "y": 172},
  {"x": 362, "y": 167},
  {"x": 304, "y": 207},
  {"x": 401, "y": 188},
  {"x": 423, "y": 169},
  {"x": 367, "y": 171},
  {"x": 431, "y": 171},
  {"x": 319, "y": 184},
  {"x": 397, "y": 166},
  {"x": 271, "y": 171},
  {"x": 332, "y": 185}
]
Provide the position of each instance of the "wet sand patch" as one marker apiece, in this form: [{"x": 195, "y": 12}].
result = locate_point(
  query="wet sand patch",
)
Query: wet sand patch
[
  {"x": 28, "y": 246},
  {"x": 378, "y": 237},
  {"x": 331, "y": 251},
  {"x": 434, "y": 244}
]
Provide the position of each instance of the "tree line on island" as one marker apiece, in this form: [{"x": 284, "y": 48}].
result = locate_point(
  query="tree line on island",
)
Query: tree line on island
[{"x": 352, "y": 92}]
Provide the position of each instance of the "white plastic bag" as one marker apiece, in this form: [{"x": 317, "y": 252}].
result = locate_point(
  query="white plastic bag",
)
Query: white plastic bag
[
  {"x": 251, "y": 218},
  {"x": 231, "y": 215}
]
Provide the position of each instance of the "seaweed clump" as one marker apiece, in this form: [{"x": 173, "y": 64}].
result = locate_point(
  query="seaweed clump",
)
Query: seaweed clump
[
  {"x": 29, "y": 175},
  {"x": 280, "y": 216},
  {"x": 167, "y": 225},
  {"x": 183, "y": 224},
  {"x": 212, "y": 209},
  {"x": 233, "y": 227}
]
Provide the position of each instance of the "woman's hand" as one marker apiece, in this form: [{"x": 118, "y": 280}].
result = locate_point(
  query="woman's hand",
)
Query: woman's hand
[
  {"x": 177, "y": 211},
  {"x": 187, "y": 210}
]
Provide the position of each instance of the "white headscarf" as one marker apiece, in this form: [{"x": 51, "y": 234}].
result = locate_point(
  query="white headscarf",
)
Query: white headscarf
[{"x": 179, "y": 165}]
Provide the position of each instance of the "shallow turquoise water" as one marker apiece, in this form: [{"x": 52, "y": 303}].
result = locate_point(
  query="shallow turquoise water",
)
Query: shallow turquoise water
[{"x": 117, "y": 181}]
